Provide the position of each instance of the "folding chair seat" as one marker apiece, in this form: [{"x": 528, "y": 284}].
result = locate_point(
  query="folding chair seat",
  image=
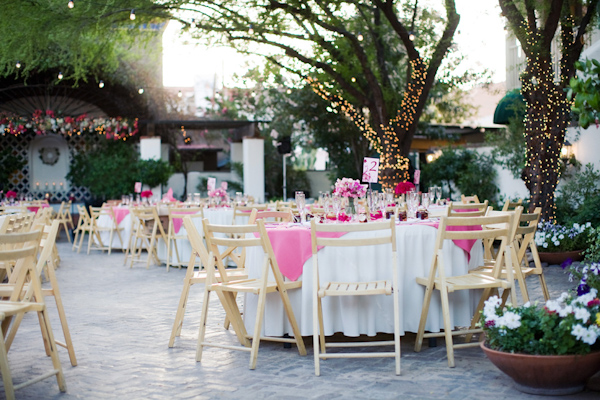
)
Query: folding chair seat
[
  {"x": 381, "y": 233},
  {"x": 175, "y": 222},
  {"x": 109, "y": 225},
  {"x": 64, "y": 217},
  {"x": 45, "y": 263},
  {"x": 23, "y": 255},
  {"x": 227, "y": 289},
  {"x": 194, "y": 276},
  {"x": 147, "y": 231},
  {"x": 489, "y": 283}
]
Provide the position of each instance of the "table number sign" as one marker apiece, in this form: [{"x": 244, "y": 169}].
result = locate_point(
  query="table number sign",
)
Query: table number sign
[
  {"x": 212, "y": 183},
  {"x": 224, "y": 185},
  {"x": 138, "y": 187},
  {"x": 417, "y": 176},
  {"x": 370, "y": 170}
]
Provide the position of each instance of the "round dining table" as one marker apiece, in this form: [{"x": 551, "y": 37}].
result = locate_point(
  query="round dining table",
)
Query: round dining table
[{"x": 365, "y": 315}]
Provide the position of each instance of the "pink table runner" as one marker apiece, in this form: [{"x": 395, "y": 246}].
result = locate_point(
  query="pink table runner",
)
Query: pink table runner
[
  {"x": 36, "y": 208},
  {"x": 120, "y": 213},
  {"x": 292, "y": 247}
]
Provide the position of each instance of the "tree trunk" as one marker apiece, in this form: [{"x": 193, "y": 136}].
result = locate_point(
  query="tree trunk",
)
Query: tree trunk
[{"x": 546, "y": 121}]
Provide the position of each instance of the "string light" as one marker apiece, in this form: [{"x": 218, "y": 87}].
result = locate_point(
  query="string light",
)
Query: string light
[
  {"x": 60, "y": 75},
  {"x": 18, "y": 64},
  {"x": 360, "y": 37},
  {"x": 411, "y": 36},
  {"x": 132, "y": 14},
  {"x": 141, "y": 90},
  {"x": 71, "y": 4},
  {"x": 179, "y": 94},
  {"x": 251, "y": 30},
  {"x": 101, "y": 84}
]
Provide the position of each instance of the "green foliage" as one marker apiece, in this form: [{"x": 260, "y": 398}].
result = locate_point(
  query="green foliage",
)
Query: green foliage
[
  {"x": 154, "y": 172},
  {"x": 578, "y": 199},
  {"x": 111, "y": 170},
  {"x": 81, "y": 42},
  {"x": 586, "y": 90},
  {"x": 464, "y": 170},
  {"x": 9, "y": 163},
  {"x": 545, "y": 330},
  {"x": 592, "y": 253}
]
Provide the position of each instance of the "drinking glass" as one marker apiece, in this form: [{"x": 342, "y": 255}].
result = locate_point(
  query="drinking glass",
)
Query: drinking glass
[
  {"x": 337, "y": 203},
  {"x": 238, "y": 198},
  {"x": 326, "y": 202},
  {"x": 413, "y": 204},
  {"x": 438, "y": 193},
  {"x": 425, "y": 200},
  {"x": 300, "y": 204}
]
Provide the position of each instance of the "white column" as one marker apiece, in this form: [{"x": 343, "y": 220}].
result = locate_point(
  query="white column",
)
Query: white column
[
  {"x": 150, "y": 149},
  {"x": 254, "y": 168}
]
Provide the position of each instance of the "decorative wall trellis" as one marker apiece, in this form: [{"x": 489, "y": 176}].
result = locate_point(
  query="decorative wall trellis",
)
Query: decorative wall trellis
[{"x": 20, "y": 181}]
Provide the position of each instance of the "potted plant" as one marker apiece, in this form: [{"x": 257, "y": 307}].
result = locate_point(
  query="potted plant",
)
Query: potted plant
[
  {"x": 551, "y": 349},
  {"x": 557, "y": 243}
]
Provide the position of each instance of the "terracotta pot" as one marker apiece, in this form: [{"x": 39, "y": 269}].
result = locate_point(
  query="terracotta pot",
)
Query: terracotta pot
[
  {"x": 558, "y": 258},
  {"x": 546, "y": 375}
]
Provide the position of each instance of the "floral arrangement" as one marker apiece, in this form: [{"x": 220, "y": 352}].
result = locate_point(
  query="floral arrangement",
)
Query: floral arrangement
[
  {"x": 42, "y": 122},
  {"x": 347, "y": 187},
  {"x": 403, "y": 188},
  {"x": 587, "y": 275},
  {"x": 555, "y": 238},
  {"x": 568, "y": 325},
  {"x": 146, "y": 193},
  {"x": 222, "y": 194},
  {"x": 11, "y": 194}
]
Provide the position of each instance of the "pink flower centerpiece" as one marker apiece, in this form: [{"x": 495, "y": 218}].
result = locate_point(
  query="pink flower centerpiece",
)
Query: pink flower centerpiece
[
  {"x": 220, "y": 195},
  {"x": 11, "y": 194},
  {"x": 146, "y": 194},
  {"x": 403, "y": 188},
  {"x": 347, "y": 187}
]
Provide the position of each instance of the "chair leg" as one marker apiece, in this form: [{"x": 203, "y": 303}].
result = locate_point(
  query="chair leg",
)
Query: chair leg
[
  {"x": 178, "y": 323},
  {"x": 321, "y": 326},
  {"x": 9, "y": 390},
  {"x": 62, "y": 315},
  {"x": 544, "y": 287},
  {"x": 424, "y": 312},
  {"x": 60, "y": 377},
  {"x": 260, "y": 311},
  {"x": 447, "y": 327},
  {"x": 202, "y": 329}
]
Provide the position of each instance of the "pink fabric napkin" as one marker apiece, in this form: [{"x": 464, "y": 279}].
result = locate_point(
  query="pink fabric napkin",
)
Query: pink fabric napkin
[
  {"x": 33, "y": 208},
  {"x": 177, "y": 222},
  {"x": 169, "y": 195},
  {"x": 292, "y": 247},
  {"x": 120, "y": 213},
  {"x": 377, "y": 215}
]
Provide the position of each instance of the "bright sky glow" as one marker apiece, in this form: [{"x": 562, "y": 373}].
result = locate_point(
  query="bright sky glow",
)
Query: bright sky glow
[{"x": 481, "y": 37}]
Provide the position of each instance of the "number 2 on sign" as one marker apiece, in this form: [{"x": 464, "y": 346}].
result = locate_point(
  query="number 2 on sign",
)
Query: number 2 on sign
[{"x": 370, "y": 169}]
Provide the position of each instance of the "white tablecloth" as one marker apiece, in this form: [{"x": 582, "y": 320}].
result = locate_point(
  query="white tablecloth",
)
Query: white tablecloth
[{"x": 369, "y": 315}]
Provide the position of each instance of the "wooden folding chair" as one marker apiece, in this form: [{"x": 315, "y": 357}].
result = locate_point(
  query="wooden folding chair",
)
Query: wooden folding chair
[
  {"x": 469, "y": 199},
  {"x": 241, "y": 214},
  {"x": 95, "y": 238},
  {"x": 148, "y": 230},
  {"x": 467, "y": 209},
  {"x": 227, "y": 289},
  {"x": 438, "y": 280},
  {"x": 381, "y": 233},
  {"x": 176, "y": 217},
  {"x": 45, "y": 263},
  {"x": 26, "y": 248},
  {"x": 64, "y": 217},
  {"x": 84, "y": 225},
  {"x": 270, "y": 216},
  {"x": 523, "y": 239},
  {"x": 512, "y": 205},
  {"x": 194, "y": 276}
]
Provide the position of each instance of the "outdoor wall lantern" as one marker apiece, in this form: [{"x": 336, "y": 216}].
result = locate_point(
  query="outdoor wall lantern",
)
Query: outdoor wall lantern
[{"x": 567, "y": 150}]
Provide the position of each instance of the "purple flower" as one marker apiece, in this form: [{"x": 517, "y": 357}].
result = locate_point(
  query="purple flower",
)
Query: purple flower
[
  {"x": 567, "y": 263},
  {"x": 582, "y": 289}
]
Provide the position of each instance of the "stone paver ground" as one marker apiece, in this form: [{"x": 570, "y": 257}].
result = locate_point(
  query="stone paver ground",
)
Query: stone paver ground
[{"x": 121, "y": 318}]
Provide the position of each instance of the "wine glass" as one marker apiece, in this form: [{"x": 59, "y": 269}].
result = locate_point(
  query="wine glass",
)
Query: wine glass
[
  {"x": 438, "y": 193},
  {"x": 300, "y": 204},
  {"x": 413, "y": 204},
  {"x": 326, "y": 202},
  {"x": 381, "y": 202},
  {"x": 425, "y": 200}
]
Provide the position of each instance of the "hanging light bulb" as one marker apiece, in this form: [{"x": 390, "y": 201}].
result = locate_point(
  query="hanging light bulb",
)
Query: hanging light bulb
[
  {"x": 360, "y": 37},
  {"x": 141, "y": 90},
  {"x": 18, "y": 64},
  {"x": 251, "y": 29},
  {"x": 101, "y": 84},
  {"x": 132, "y": 14},
  {"x": 71, "y": 4},
  {"x": 411, "y": 36},
  {"x": 60, "y": 75},
  {"x": 179, "y": 94}
]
